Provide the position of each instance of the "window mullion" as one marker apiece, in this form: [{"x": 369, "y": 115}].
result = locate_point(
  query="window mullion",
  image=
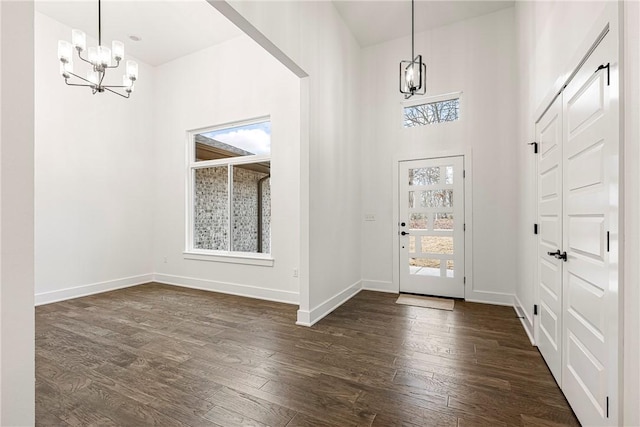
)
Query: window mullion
[{"x": 230, "y": 206}]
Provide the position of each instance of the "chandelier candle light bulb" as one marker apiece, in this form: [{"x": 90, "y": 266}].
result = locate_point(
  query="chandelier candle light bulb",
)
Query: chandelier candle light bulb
[
  {"x": 93, "y": 77},
  {"x": 127, "y": 83},
  {"x": 117, "y": 48},
  {"x": 132, "y": 70},
  {"x": 104, "y": 54},
  {"x": 64, "y": 51},
  {"x": 66, "y": 68},
  {"x": 79, "y": 40},
  {"x": 101, "y": 59}
]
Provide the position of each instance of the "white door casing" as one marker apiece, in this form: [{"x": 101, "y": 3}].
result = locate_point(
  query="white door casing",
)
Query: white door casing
[
  {"x": 431, "y": 216},
  {"x": 590, "y": 156},
  {"x": 549, "y": 274}
]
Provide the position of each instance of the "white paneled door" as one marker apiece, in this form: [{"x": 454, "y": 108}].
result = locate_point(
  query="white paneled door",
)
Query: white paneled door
[
  {"x": 590, "y": 279},
  {"x": 577, "y": 276},
  {"x": 431, "y": 226},
  {"x": 549, "y": 275}
]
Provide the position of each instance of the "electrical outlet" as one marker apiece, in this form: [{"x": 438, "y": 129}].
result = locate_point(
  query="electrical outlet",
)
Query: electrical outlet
[
  {"x": 295, "y": 272},
  {"x": 369, "y": 217}
]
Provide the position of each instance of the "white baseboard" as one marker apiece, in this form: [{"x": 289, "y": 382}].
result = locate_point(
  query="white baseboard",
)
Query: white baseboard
[
  {"x": 487, "y": 297},
  {"x": 311, "y": 317},
  {"x": 94, "y": 288},
  {"x": 525, "y": 319},
  {"x": 379, "y": 286},
  {"x": 287, "y": 297}
]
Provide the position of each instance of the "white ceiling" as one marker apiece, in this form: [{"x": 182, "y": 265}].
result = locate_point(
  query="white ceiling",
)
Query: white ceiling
[
  {"x": 169, "y": 29},
  {"x": 374, "y": 22}
]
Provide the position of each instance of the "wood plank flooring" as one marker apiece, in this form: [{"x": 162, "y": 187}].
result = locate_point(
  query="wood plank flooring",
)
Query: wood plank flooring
[{"x": 168, "y": 356}]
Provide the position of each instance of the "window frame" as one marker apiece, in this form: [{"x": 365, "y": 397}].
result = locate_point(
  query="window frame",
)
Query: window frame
[
  {"x": 412, "y": 102},
  {"x": 227, "y": 256}
]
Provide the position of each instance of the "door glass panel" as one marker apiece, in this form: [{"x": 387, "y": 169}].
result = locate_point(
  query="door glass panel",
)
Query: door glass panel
[
  {"x": 424, "y": 267},
  {"x": 424, "y": 176},
  {"x": 412, "y": 244},
  {"x": 418, "y": 221},
  {"x": 443, "y": 221},
  {"x": 431, "y": 199},
  {"x": 448, "y": 175},
  {"x": 437, "y": 244}
]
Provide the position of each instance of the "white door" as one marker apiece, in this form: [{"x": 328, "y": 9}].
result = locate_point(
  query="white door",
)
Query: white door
[
  {"x": 589, "y": 378},
  {"x": 549, "y": 274},
  {"x": 431, "y": 226}
]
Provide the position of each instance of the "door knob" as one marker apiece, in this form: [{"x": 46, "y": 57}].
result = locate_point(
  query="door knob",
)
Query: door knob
[
  {"x": 403, "y": 233},
  {"x": 558, "y": 255}
]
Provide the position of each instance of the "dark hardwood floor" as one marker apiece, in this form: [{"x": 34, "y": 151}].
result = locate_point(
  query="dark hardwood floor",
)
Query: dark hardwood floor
[{"x": 162, "y": 355}]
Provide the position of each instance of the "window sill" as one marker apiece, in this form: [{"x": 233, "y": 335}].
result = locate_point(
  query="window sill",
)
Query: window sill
[{"x": 231, "y": 258}]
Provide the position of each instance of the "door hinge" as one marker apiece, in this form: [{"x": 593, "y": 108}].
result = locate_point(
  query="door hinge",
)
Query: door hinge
[
  {"x": 535, "y": 309},
  {"x": 602, "y": 67},
  {"x": 607, "y": 406},
  {"x": 535, "y": 147},
  {"x": 535, "y": 228},
  {"x": 464, "y": 173},
  {"x": 464, "y": 227},
  {"x": 464, "y": 279},
  {"x": 607, "y": 241}
]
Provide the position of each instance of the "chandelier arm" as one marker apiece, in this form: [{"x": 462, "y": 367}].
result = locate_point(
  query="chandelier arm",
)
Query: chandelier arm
[
  {"x": 76, "y": 84},
  {"x": 112, "y": 66},
  {"x": 81, "y": 78},
  {"x": 101, "y": 79},
  {"x": 85, "y": 60},
  {"x": 117, "y": 93}
]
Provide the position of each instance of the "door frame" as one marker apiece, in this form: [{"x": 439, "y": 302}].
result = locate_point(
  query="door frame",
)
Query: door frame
[{"x": 466, "y": 155}]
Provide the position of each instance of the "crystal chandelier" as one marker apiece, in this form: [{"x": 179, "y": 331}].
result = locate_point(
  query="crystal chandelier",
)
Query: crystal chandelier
[
  {"x": 413, "y": 73},
  {"x": 100, "y": 58}
]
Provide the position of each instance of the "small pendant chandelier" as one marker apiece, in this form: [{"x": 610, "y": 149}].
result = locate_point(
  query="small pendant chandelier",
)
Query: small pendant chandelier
[
  {"x": 100, "y": 58},
  {"x": 413, "y": 73}
]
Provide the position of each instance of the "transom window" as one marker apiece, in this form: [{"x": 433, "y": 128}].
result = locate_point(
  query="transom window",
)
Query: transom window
[
  {"x": 428, "y": 113},
  {"x": 230, "y": 188}
]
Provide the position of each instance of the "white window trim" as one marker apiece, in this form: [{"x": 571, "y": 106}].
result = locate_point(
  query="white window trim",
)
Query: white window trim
[
  {"x": 247, "y": 258},
  {"x": 412, "y": 102},
  {"x": 228, "y": 256}
]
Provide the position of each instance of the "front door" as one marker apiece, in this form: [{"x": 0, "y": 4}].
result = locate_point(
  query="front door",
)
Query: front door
[{"x": 431, "y": 226}]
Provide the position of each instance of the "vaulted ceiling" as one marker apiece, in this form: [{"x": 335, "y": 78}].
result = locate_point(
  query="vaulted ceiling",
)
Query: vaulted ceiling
[
  {"x": 374, "y": 22},
  {"x": 169, "y": 29}
]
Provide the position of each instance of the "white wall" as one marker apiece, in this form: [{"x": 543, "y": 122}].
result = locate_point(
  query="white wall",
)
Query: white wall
[
  {"x": 16, "y": 218},
  {"x": 631, "y": 291},
  {"x": 476, "y": 57},
  {"x": 313, "y": 35},
  {"x": 545, "y": 50},
  {"x": 93, "y": 178},
  {"x": 232, "y": 81}
]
